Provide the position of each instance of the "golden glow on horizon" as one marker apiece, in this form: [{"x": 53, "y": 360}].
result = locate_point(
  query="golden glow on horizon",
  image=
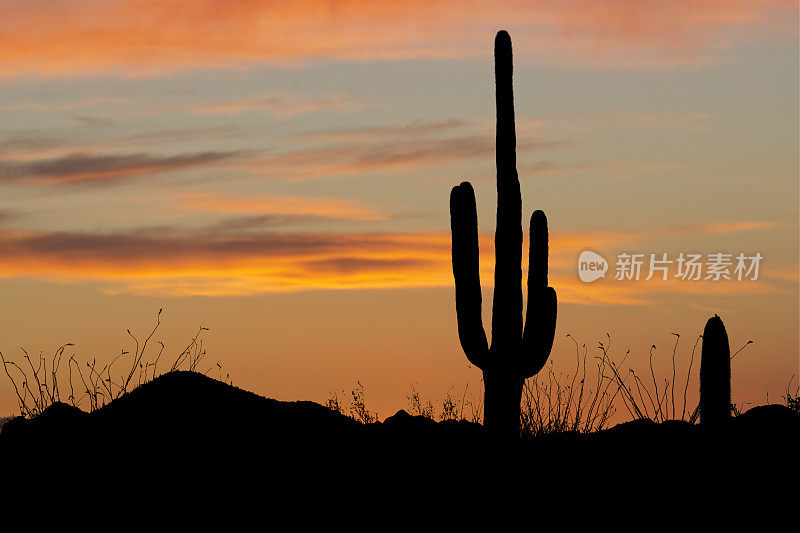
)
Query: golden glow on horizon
[{"x": 219, "y": 265}]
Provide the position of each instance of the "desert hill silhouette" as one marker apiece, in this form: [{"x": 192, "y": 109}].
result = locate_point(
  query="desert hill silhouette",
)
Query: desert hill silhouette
[{"x": 189, "y": 416}]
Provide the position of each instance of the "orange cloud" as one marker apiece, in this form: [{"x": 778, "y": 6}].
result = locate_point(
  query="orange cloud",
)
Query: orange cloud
[
  {"x": 147, "y": 37},
  {"x": 642, "y": 292},
  {"x": 333, "y": 208},
  {"x": 719, "y": 228},
  {"x": 174, "y": 262},
  {"x": 171, "y": 262},
  {"x": 784, "y": 273}
]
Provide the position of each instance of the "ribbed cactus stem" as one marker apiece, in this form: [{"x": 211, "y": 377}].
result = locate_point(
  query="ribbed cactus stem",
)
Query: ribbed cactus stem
[
  {"x": 715, "y": 374},
  {"x": 515, "y": 353},
  {"x": 507, "y": 303}
]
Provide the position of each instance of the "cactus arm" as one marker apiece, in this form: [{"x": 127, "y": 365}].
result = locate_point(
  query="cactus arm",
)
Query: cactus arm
[
  {"x": 464, "y": 229},
  {"x": 540, "y": 319},
  {"x": 540, "y": 330},
  {"x": 538, "y": 250},
  {"x": 507, "y": 299}
]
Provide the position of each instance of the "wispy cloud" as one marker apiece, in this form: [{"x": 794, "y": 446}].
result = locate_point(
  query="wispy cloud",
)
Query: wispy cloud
[
  {"x": 82, "y": 168},
  {"x": 95, "y": 121},
  {"x": 388, "y": 155},
  {"x": 162, "y": 136},
  {"x": 385, "y": 131},
  {"x": 19, "y": 145},
  {"x": 719, "y": 228},
  {"x": 282, "y": 104},
  {"x": 148, "y": 37},
  {"x": 270, "y": 205},
  {"x": 69, "y": 105},
  {"x": 618, "y": 119}
]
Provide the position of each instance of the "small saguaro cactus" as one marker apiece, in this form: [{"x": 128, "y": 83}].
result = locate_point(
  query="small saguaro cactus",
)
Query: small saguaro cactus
[
  {"x": 715, "y": 374},
  {"x": 516, "y": 353}
]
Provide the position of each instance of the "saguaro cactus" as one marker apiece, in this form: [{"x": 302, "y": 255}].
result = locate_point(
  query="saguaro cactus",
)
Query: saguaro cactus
[
  {"x": 715, "y": 374},
  {"x": 516, "y": 353}
]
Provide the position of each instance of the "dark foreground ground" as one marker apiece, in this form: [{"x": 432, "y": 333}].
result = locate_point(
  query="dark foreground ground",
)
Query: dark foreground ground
[{"x": 187, "y": 421}]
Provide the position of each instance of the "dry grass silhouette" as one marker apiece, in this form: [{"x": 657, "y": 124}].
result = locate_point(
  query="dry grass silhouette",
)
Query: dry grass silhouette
[
  {"x": 587, "y": 399},
  {"x": 38, "y": 381},
  {"x": 792, "y": 398},
  {"x": 355, "y": 408},
  {"x": 582, "y": 403},
  {"x": 451, "y": 406}
]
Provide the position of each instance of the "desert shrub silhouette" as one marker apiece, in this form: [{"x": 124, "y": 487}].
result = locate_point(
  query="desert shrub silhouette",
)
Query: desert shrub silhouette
[
  {"x": 715, "y": 374},
  {"x": 419, "y": 407},
  {"x": 356, "y": 409},
  {"x": 515, "y": 354},
  {"x": 38, "y": 383}
]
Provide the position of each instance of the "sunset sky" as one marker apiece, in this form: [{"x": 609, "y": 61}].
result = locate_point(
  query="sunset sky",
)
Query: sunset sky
[{"x": 279, "y": 172}]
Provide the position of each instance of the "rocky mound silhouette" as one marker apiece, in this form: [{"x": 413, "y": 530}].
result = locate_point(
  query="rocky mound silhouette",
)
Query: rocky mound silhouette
[{"x": 189, "y": 416}]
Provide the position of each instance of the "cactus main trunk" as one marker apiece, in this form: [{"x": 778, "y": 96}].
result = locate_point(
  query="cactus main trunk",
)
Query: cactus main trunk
[
  {"x": 715, "y": 374},
  {"x": 501, "y": 402},
  {"x": 515, "y": 353}
]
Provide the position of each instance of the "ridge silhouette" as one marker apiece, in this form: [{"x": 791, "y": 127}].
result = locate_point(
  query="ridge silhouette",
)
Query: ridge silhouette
[{"x": 190, "y": 422}]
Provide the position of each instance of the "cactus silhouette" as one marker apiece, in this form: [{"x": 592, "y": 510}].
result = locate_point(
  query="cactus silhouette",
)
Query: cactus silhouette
[
  {"x": 715, "y": 374},
  {"x": 516, "y": 353}
]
